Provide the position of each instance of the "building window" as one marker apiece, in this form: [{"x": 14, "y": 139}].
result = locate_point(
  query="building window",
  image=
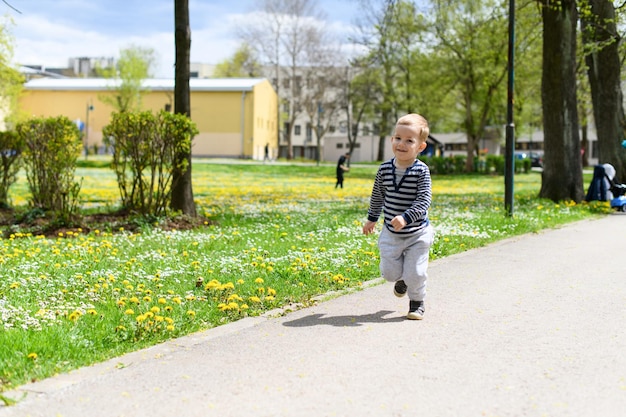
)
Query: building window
[
  {"x": 309, "y": 132},
  {"x": 339, "y": 145},
  {"x": 296, "y": 130}
]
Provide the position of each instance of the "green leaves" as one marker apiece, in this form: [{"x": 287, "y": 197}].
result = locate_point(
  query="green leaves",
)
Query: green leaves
[
  {"x": 51, "y": 147},
  {"x": 148, "y": 150}
]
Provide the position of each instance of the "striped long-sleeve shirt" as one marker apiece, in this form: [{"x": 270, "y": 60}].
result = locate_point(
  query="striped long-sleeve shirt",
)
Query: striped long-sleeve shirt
[{"x": 407, "y": 194}]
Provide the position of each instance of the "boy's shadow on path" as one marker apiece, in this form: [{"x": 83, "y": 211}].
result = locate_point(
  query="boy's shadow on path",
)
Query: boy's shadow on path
[{"x": 344, "y": 321}]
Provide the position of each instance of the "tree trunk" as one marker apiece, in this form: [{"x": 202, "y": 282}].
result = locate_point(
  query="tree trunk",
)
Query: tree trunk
[
  {"x": 603, "y": 70},
  {"x": 383, "y": 132},
  {"x": 182, "y": 191},
  {"x": 562, "y": 173}
]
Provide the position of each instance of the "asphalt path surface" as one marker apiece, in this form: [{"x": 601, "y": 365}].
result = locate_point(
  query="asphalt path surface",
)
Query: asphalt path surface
[{"x": 529, "y": 326}]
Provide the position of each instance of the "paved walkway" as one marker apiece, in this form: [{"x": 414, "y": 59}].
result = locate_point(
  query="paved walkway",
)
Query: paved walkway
[{"x": 531, "y": 326}]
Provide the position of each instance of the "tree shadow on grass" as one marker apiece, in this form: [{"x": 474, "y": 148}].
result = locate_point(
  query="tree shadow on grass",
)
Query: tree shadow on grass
[{"x": 344, "y": 321}]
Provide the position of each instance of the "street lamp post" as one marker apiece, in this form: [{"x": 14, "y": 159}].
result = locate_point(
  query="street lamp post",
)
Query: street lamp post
[
  {"x": 89, "y": 108},
  {"x": 510, "y": 125}
]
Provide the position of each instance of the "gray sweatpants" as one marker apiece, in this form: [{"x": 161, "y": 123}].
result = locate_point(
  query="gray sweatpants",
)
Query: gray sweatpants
[{"x": 406, "y": 258}]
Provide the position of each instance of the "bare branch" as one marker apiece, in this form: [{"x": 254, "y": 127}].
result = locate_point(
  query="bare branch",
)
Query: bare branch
[{"x": 8, "y": 4}]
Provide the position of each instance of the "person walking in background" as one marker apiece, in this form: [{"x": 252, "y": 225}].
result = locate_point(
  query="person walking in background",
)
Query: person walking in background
[
  {"x": 266, "y": 157},
  {"x": 341, "y": 168},
  {"x": 402, "y": 192}
]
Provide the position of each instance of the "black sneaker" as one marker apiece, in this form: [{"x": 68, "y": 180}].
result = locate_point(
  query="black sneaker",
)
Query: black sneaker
[
  {"x": 399, "y": 289},
  {"x": 416, "y": 310}
]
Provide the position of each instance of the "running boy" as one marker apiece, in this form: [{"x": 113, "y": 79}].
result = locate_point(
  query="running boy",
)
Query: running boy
[{"x": 402, "y": 192}]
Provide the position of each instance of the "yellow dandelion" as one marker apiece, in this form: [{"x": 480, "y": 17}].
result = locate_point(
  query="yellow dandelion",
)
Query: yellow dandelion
[
  {"x": 271, "y": 291},
  {"x": 212, "y": 285},
  {"x": 177, "y": 300},
  {"x": 32, "y": 356},
  {"x": 162, "y": 301},
  {"x": 191, "y": 313},
  {"x": 259, "y": 281},
  {"x": 254, "y": 299},
  {"x": 141, "y": 318},
  {"x": 74, "y": 316},
  {"x": 147, "y": 299},
  {"x": 134, "y": 300},
  {"x": 169, "y": 308},
  {"x": 129, "y": 312},
  {"x": 169, "y": 320},
  {"x": 155, "y": 309},
  {"x": 170, "y": 327},
  {"x": 92, "y": 312}
]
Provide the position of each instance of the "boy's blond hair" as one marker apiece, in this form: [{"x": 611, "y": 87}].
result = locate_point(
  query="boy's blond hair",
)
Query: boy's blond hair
[{"x": 419, "y": 122}]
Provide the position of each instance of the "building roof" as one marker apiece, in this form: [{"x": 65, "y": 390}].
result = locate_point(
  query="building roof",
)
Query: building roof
[{"x": 103, "y": 84}]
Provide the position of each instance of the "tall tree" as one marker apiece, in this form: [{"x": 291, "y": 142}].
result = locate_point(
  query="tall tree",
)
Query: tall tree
[
  {"x": 11, "y": 80},
  {"x": 471, "y": 38},
  {"x": 289, "y": 38},
  {"x": 604, "y": 71},
  {"x": 182, "y": 191},
  {"x": 243, "y": 64},
  {"x": 361, "y": 89},
  {"x": 562, "y": 172},
  {"x": 132, "y": 68},
  {"x": 376, "y": 23},
  {"x": 321, "y": 101}
]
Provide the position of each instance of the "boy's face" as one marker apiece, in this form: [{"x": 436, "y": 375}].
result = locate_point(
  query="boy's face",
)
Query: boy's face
[{"x": 405, "y": 145}]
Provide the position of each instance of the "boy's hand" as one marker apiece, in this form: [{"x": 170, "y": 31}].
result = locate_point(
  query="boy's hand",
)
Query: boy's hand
[
  {"x": 398, "y": 223},
  {"x": 369, "y": 227}
]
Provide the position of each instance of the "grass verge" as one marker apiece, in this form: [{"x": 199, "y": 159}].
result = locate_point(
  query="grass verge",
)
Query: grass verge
[{"x": 278, "y": 234}]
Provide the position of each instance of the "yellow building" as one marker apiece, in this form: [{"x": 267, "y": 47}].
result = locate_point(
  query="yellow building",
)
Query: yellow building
[{"x": 236, "y": 117}]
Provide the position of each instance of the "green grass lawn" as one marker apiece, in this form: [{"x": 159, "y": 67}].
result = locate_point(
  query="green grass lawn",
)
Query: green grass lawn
[{"x": 278, "y": 235}]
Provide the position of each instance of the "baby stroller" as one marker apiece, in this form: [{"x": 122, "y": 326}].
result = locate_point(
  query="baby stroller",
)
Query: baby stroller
[{"x": 604, "y": 188}]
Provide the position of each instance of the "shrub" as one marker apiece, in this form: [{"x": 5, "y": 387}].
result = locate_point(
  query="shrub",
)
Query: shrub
[
  {"x": 51, "y": 147},
  {"x": 495, "y": 164},
  {"x": 523, "y": 165},
  {"x": 147, "y": 150},
  {"x": 11, "y": 147}
]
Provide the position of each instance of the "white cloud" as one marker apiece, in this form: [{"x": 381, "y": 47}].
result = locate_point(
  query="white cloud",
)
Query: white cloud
[{"x": 50, "y": 32}]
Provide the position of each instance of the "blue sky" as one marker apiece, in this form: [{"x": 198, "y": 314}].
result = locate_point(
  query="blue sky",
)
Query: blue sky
[{"x": 49, "y": 32}]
